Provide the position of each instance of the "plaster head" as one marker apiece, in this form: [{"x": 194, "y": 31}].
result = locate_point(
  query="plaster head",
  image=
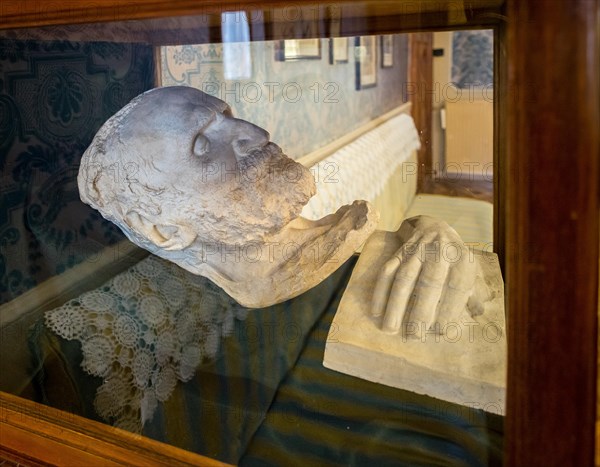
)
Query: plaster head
[{"x": 187, "y": 181}]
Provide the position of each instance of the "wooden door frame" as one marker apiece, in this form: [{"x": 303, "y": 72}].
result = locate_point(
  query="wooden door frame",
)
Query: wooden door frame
[
  {"x": 420, "y": 84},
  {"x": 546, "y": 198}
]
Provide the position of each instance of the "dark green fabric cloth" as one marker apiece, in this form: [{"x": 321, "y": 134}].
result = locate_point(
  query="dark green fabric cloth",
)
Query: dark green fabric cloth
[
  {"x": 218, "y": 412},
  {"x": 322, "y": 417}
]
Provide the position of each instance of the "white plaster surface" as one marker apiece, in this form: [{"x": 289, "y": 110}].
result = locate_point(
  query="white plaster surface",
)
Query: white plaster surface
[
  {"x": 465, "y": 363},
  {"x": 190, "y": 183}
]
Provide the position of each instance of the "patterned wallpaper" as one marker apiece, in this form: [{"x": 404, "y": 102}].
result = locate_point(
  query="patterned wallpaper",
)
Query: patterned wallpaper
[
  {"x": 473, "y": 58},
  {"x": 304, "y": 104},
  {"x": 53, "y": 98}
]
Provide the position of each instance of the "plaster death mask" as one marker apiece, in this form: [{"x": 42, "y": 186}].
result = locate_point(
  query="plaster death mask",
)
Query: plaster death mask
[{"x": 190, "y": 183}]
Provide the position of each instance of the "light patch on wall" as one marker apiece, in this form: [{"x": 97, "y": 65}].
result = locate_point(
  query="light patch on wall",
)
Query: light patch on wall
[{"x": 237, "y": 59}]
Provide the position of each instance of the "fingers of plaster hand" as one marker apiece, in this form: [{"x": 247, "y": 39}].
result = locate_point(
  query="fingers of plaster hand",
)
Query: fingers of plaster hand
[
  {"x": 402, "y": 289},
  {"x": 453, "y": 301},
  {"x": 479, "y": 296},
  {"x": 463, "y": 271},
  {"x": 476, "y": 307},
  {"x": 428, "y": 291},
  {"x": 383, "y": 286},
  {"x": 459, "y": 285},
  {"x": 407, "y": 230},
  {"x": 386, "y": 277}
]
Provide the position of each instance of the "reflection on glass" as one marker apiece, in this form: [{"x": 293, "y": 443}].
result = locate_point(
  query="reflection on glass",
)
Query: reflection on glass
[
  {"x": 463, "y": 112},
  {"x": 237, "y": 61},
  {"x": 88, "y": 326}
]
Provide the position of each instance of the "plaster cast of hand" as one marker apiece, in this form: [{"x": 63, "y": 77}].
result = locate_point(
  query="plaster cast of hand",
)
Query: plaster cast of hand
[
  {"x": 430, "y": 280},
  {"x": 187, "y": 181}
]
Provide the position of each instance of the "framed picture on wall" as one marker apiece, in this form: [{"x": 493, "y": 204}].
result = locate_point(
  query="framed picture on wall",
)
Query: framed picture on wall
[
  {"x": 387, "y": 51},
  {"x": 365, "y": 52},
  {"x": 338, "y": 50},
  {"x": 297, "y": 49}
]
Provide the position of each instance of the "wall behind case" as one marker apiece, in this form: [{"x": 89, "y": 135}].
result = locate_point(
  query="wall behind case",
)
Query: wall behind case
[
  {"x": 54, "y": 96},
  {"x": 305, "y": 103}
]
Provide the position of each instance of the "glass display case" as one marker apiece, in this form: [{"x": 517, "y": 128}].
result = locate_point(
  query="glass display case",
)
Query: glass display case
[{"x": 112, "y": 354}]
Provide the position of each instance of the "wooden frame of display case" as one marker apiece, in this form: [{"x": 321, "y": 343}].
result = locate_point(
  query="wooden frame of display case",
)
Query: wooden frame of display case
[
  {"x": 35, "y": 434},
  {"x": 546, "y": 199}
]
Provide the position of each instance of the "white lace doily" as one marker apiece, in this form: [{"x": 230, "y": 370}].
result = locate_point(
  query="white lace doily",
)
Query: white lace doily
[{"x": 142, "y": 332}]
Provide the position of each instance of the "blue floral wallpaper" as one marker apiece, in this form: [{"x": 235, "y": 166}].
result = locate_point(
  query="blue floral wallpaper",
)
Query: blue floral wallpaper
[
  {"x": 304, "y": 104},
  {"x": 54, "y": 95},
  {"x": 473, "y": 58}
]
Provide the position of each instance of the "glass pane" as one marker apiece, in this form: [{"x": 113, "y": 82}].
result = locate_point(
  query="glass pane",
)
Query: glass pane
[
  {"x": 462, "y": 123},
  {"x": 95, "y": 325}
]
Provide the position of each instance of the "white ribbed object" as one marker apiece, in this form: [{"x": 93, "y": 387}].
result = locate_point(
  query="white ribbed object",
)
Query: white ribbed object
[{"x": 360, "y": 169}]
